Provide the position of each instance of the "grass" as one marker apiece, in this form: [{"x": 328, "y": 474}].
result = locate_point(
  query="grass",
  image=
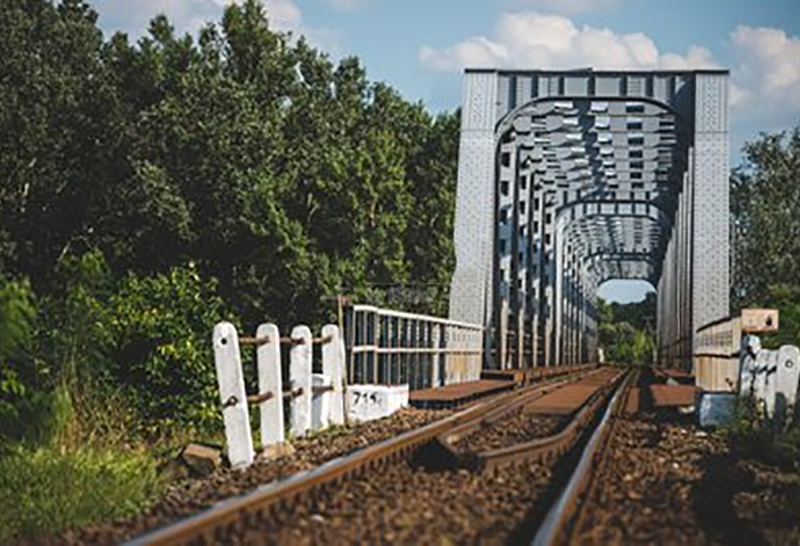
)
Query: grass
[{"x": 45, "y": 489}]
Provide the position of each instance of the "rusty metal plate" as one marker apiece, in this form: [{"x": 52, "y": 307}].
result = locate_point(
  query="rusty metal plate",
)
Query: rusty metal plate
[
  {"x": 633, "y": 402},
  {"x": 564, "y": 400},
  {"x": 460, "y": 391},
  {"x": 673, "y": 396}
]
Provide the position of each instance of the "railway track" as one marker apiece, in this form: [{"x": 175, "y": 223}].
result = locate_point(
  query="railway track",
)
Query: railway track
[
  {"x": 477, "y": 475},
  {"x": 567, "y": 516}
]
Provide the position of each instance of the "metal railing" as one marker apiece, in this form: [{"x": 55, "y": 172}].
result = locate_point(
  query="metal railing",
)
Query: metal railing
[{"x": 388, "y": 347}]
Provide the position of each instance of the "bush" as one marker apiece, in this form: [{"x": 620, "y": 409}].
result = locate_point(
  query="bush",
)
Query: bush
[
  {"x": 19, "y": 401},
  {"x": 162, "y": 328},
  {"x": 44, "y": 490}
]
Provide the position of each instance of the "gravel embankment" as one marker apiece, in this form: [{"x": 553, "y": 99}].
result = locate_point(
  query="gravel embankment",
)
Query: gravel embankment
[
  {"x": 192, "y": 496},
  {"x": 674, "y": 484}
]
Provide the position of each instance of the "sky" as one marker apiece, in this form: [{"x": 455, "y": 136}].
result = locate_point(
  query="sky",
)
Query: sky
[{"x": 421, "y": 47}]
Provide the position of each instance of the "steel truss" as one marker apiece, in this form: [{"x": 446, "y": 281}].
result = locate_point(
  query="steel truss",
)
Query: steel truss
[{"x": 569, "y": 179}]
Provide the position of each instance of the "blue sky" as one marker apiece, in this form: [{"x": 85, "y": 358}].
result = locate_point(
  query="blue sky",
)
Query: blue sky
[{"x": 421, "y": 47}]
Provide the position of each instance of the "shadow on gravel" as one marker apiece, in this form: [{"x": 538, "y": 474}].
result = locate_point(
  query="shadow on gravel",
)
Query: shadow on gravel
[{"x": 713, "y": 501}]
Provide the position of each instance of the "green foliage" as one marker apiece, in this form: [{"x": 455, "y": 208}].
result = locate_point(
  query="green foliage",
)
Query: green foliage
[
  {"x": 162, "y": 355},
  {"x": 17, "y": 319},
  {"x": 765, "y": 198},
  {"x": 755, "y": 436},
  {"x": 76, "y": 323},
  {"x": 282, "y": 175},
  {"x": 626, "y": 330},
  {"x": 43, "y": 490},
  {"x": 17, "y": 313},
  {"x": 276, "y": 174}
]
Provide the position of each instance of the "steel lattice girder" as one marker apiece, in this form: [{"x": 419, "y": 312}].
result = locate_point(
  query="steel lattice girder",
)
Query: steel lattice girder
[{"x": 569, "y": 179}]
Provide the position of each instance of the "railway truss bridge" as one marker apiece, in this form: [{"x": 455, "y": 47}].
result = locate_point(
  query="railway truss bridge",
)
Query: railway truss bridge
[{"x": 569, "y": 179}]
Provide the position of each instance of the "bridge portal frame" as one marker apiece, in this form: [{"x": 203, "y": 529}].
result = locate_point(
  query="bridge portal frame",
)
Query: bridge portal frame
[{"x": 693, "y": 277}]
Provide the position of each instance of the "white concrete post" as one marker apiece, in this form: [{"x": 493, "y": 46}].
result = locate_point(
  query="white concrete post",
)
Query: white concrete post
[
  {"x": 333, "y": 367},
  {"x": 437, "y": 355},
  {"x": 788, "y": 376},
  {"x": 300, "y": 380},
  {"x": 320, "y": 403},
  {"x": 757, "y": 373},
  {"x": 235, "y": 412},
  {"x": 268, "y": 358}
]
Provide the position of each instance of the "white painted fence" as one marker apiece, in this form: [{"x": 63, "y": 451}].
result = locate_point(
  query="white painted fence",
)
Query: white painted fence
[
  {"x": 388, "y": 347},
  {"x": 272, "y": 392},
  {"x": 388, "y": 354}
]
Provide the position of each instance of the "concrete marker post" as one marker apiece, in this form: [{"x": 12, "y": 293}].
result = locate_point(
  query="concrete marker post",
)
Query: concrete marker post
[
  {"x": 300, "y": 380},
  {"x": 268, "y": 357},
  {"x": 788, "y": 377},
  {"x": 233, "y": 397},
  {"x": 333, "y": 355}
]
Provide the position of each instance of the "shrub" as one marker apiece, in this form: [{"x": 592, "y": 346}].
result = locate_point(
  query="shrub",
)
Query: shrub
[
  {"x": 19, "y": 400},
  {"x": 162, "y": 328}
]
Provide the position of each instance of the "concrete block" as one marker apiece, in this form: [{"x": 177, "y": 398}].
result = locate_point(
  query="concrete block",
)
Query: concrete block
[
  {"x": 370, "y": 402},
  {"x": 276, "y": 451},
  {"x": 202, "y": 460},
  {"x": 716, "y": 409}
]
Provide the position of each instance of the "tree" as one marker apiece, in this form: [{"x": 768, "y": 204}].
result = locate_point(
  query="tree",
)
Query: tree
[
  {"x": 765, "y": 198},
  {"x": 245, "y": 157},
  {"x": 626, "y": 330}
]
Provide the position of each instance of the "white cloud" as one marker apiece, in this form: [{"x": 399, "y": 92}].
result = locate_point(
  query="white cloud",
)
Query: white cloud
[
  {"x": 283, "y": 15},
  {"x": 534, "y": 40},
  {"x": 191, "y": 15},
  {"x": 478, "y": 52},
  {"x": 571, "y": 7},
  {"x": 765, "y": 74},
  {"x": 767, "y": 71}
]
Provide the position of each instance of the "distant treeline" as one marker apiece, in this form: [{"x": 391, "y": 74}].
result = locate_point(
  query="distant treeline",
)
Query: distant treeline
[{"x": 627, "y": 330}]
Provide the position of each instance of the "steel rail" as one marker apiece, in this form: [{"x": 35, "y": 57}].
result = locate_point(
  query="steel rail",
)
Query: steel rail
[
  {"x": 228, "y": 515},
  {"x": 559, "y": 521},
  {"x": 551, "y": 447},
  {"x": 492, "y": 417}
]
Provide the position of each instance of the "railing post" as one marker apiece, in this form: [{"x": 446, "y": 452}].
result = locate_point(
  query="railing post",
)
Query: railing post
[
  {"x": 438, "y": 356},
  {"x": 333, "y": 367},
  {"x": 300, "y": 380},
  {"x": 268, "y": 357},
  {"x": 233, "y": 397}
]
